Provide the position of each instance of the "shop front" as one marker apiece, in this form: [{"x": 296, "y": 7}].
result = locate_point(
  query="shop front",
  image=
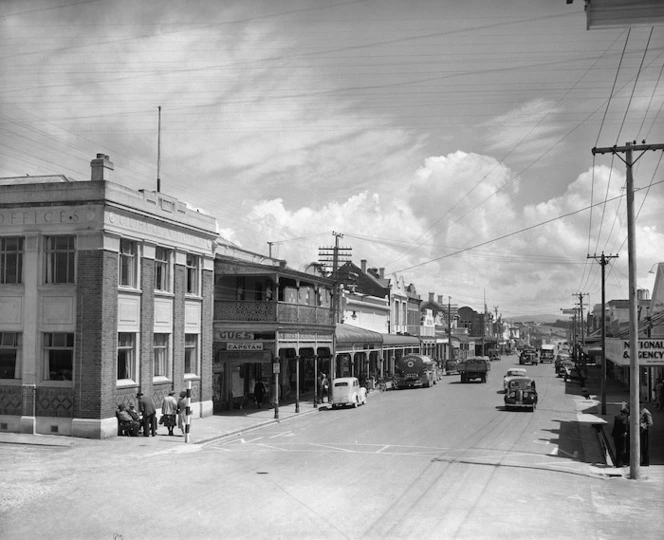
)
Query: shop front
[{"x": 241, "y": 359}]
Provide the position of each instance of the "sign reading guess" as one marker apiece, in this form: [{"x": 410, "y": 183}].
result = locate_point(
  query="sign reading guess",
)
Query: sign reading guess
[{"x": 650, "y": 351}]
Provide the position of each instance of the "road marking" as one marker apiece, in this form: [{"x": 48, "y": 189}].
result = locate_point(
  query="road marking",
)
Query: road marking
[
  {"x": 284, "y": 434},
  {"x": 383, "y": 448}
]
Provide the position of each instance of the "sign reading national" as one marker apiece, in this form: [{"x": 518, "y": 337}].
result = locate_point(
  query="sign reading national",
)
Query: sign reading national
[{"x": 650, "y": 351}]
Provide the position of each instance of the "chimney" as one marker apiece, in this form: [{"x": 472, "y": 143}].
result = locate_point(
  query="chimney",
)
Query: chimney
[
  {"x": 381, "y": 272},
  {"x": 363, "y": 264},
  {"x": 101, "y": 168},
  {"x": 440, "y": 299},
  {"x": 431, "y": 295}
]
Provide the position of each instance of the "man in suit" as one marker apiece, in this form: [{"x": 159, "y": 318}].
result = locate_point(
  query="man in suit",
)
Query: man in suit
[
  {"x": 149, "y": 413},
  {"x": 619, "y": 434}
]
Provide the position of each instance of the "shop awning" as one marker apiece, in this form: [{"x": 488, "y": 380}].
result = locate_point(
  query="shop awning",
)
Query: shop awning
[
  {"x": 393, "y": 340},
  {"x": 353, "y": 337}
]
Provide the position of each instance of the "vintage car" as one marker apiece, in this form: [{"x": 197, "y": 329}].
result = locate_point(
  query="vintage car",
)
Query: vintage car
[
  {"x": 521, "y": 394},
  {"x": 575, "y": 372},
  {"x": 528, "y": 357},
  {"x": 511, "y": 373},
  {"x": 563, "y": 367},
  {"x": 560, "y": 358},
  {"x": 347, "y": 391}
]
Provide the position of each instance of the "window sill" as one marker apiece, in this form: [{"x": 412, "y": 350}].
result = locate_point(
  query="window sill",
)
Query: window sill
[
  {"x": 126, "y": 383},
  {"x": 164, "y": 294},
  {"x": 191, "y": 377},
  {"x": 160, "y": 379}
]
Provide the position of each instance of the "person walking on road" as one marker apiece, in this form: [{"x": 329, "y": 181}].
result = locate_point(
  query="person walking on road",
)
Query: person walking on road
[
  {"x": 324, "y": 388},
  {"x": 619, "y": 434},
  {"x": 259, "y": 392},
  {"x": 148, "y": 412},
  {"x": 169, "y": 409},
  {"x": 645, "y": 424},
  {"x": 182, "y": 410}
]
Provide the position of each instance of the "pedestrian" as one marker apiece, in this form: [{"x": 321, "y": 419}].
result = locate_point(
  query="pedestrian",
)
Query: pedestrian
[
  {"x": 324, "y": 388},
  {"x": 148, "y": 412},
  {"x": 645, "y": 424},
  {"x": 659, "y": 394},
  {"x": 169, "y": 409},
  {"x": 259, "y": 392},
  {"x": 182, "y": 410},
  {"x": 619, "y": 434}
]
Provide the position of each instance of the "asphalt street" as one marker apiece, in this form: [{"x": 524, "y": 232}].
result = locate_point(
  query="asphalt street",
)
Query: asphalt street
[{"x": 444, "y": 462}]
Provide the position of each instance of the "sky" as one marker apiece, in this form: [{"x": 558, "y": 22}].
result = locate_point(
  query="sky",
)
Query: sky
[{"x": 450, "y": 143}]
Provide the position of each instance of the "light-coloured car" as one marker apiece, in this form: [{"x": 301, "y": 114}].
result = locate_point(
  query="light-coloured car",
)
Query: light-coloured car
[
  {"x": 511, "y": 373},
  {"x": 347, "y": 391}
]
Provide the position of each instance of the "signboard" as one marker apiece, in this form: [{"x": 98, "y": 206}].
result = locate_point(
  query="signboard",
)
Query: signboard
[
  {"x": 276, "y": 367},
  {"x": 570, "y": 311},
  {"x": 244, "y": 346},
  {"x": 651, "y": 351},
  {"x": 232, "y": 335}
]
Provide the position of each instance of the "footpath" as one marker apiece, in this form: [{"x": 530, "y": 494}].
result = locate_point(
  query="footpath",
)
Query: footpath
[
  {"x": 202, "y": 430},
  {"x": 617, "y": 396}
]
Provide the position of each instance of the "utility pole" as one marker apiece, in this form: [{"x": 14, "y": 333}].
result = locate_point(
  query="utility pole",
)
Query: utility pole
[
  {"x": 449, "y": 327},
  {"x": 634, "y": 428},
  {"x": 581, "y": 321},
  {"x": 270, "y": 244},
  {"x": 603, "y": 261}
]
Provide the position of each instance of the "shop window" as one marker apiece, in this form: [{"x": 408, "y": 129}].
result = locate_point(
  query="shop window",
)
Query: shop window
[
  {"x": 161, "y": 355},
  {"x": 191, "y": 354},
  {"x": 10, "y": 354},
  {"x": 60, "y": 259},
  {"x": 162, "y": 269},
  {"x": 58, "y": 356},
  {"x": 193, "y": 274},
  {"x": 11, "y": 259},
  {"x": 128, "y": 264},
  {"x": 126, "y": 368}
]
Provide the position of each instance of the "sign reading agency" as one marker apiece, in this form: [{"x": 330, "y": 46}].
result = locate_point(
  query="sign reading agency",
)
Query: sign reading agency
[{"x": 650, "y": 351}]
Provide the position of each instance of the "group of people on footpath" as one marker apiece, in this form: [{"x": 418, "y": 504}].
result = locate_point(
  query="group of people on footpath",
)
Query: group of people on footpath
[
  {"x": 173, "y": 413},
  {"x": 620, "y": 435}
]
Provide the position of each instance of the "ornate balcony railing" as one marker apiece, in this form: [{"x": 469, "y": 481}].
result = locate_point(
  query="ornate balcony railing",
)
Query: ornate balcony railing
[{"x": 281, "y": 312}]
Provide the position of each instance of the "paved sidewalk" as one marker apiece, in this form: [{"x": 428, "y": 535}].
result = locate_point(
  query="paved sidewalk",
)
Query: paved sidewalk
[
  {"x": 202, "y": 429},
  {"x": 617, "y": 395}
]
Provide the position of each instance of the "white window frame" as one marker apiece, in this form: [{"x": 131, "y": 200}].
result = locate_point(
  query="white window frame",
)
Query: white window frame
[
  {"x": 50, "y": 343},
  {"x": 12, "y": 341},
  {"x": 162, "y": 280},
  {"x": 161, "y": 354},
  {"x": 6, "y": 253},
  {"x": 129, "y": 349},
  {"x": 197, "y": 354},
  {"x": 55, "y": 257},
  {"x": 193, "y": 274},
  {"x": 128, "y": 259}
]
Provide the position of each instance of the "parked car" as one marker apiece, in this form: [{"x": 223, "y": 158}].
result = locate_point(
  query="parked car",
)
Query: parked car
[
  {"x": 560, "y": 358},
  {"x": 511, "y": 373},
  {"x": 347, "y": 391},
  {"x": 575, "y": 372},
  {"x": 521, "y": 394},
  {"x": 451, "y": 367},
  {"x": 563, "y": 367}
]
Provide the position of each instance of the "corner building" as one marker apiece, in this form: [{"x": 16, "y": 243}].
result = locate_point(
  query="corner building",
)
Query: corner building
[{"x": 104, "y": 291}]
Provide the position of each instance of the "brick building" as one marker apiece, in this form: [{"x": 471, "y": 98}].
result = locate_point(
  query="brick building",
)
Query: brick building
[{"x": 104, "y": 291}]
